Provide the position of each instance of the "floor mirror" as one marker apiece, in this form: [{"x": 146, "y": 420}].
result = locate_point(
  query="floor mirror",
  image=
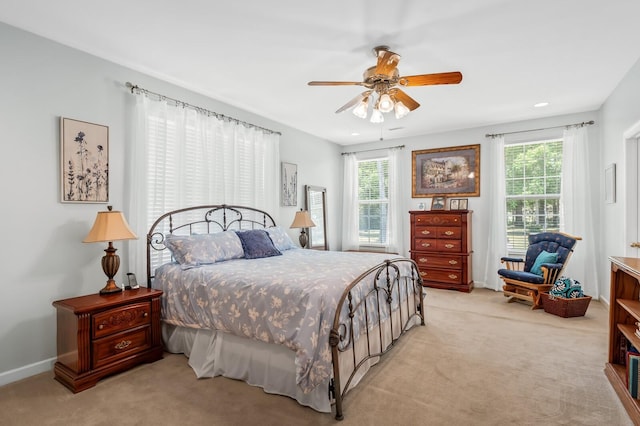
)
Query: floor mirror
[{"x": 316, "y": 205}]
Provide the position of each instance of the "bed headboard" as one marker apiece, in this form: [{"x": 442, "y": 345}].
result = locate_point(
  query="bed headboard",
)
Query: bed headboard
[{"x": 199, "y": 220}]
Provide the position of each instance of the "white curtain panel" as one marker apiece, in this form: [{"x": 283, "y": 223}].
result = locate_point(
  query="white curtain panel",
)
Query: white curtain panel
[
  {"x": 576, "y": 208},
  {"x": 180, "y": 157},
  {"x": 350, "y": 209},
  {"x": 497, "y": 244},
  {"x": 395, "y": 226}
]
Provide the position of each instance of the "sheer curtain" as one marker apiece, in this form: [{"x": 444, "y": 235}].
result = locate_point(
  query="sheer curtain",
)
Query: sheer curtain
[
  {"x": 395, "y": 225},
  {"x": 350, "y": 223},
  {"x": 180, "y": 156},
  {"x": 576, "y": 208},
  {"x": 497, "y": 244}
]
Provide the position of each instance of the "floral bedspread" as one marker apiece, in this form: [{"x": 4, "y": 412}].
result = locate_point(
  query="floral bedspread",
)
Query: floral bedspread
[{"x": 288, "y": 300}]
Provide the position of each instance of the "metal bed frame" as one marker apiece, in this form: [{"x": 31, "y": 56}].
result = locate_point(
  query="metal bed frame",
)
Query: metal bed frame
[{"x": 388, "y": 284}]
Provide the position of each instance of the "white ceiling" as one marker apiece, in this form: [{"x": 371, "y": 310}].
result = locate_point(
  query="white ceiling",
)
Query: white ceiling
[{"x": 259, "y": 55}]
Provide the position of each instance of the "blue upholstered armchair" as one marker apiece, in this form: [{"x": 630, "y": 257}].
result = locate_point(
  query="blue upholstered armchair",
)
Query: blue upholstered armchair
[{"x": 546, "y": 257}]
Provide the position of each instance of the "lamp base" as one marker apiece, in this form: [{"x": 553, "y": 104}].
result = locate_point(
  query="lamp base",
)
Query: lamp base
[
  {"x": 303, "y": 239},
  {"x": 111, "y": 287}
]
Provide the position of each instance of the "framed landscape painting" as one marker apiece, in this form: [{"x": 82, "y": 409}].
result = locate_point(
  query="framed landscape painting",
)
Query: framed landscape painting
[
  {"x": 84, "y": 169},
  {"x": 450, "y": 172}
]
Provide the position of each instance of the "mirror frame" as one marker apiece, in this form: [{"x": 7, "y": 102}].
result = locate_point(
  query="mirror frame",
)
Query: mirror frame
[{"x": 309, "y": 190}]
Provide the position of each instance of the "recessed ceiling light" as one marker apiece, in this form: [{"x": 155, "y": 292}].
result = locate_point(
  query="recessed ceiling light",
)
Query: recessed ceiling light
[
  {"x": 355, "y": 134},
  {"x": 541, "y": 104}
]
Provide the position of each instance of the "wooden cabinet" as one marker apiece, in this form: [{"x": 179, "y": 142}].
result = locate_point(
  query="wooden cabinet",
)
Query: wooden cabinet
[
  {"x": 99, "y": 335},
  {"x": 624, "y": 313},
  {"x": 441, "y": 246}
]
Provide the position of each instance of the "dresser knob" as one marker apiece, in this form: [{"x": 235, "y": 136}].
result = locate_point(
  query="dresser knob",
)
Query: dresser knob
[
  {"x": 453, "y": 276},
  {"x": 146, "y": 314},
  {"x": 453, "y": 262},
  {"x": 448, "y": 233},
  {"x": 426, "y": 232},
  {"x": 101, "y": 326},
  {"x": 426, "y": 245},
  {"x": 422, "y": 260},
  {"x": 449, "y": 245}
]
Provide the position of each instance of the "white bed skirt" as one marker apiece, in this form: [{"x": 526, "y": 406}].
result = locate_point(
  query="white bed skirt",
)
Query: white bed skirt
[{"x": 272, "y": 367}]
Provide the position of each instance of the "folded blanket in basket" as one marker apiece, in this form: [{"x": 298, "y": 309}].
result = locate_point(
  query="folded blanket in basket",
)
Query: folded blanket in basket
[{"x": 566, "y": 287}]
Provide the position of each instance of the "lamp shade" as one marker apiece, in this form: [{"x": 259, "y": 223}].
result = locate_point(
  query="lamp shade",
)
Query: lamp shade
[
  {"x": 110, "y": 226},
  {"x": 302, "y": 220}
]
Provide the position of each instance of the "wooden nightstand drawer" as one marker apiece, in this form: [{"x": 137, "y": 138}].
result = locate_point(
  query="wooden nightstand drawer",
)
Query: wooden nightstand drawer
[
  {"x": 113, "y": 348},
  {"x": 119, "y": 319}
]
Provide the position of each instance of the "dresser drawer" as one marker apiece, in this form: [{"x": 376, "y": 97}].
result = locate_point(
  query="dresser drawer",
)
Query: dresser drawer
[
  {"x": 117, "y": 346},
  {"x": 428, "y": 261},
  {"x": 450, "y": 276},
  {"x": 437, "y": 219},
  {"x": 426, "y": 232},
  {"x": 448, "y": 233},
  {"x": 448, "y": 246},
  {"x": 119, "y": 319},
  {"x": 426, "y": 244}
]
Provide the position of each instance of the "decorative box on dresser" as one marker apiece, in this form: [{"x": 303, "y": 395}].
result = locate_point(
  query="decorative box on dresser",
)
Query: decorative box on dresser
[
  {"x": 624, "y": 314},
  {"x": 99, "y": 335},
  {"x": 441, "y": 246}
]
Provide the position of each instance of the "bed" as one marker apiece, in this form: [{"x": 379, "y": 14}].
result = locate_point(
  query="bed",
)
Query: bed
[{"x": 242, "y": 301}]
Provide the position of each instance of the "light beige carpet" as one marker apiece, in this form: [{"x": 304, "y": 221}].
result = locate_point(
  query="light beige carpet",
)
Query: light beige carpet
[{"x": 478, "y": 361}]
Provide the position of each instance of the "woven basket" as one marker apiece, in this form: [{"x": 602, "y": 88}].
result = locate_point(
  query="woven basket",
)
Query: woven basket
[{"x": 564, "y": 307}]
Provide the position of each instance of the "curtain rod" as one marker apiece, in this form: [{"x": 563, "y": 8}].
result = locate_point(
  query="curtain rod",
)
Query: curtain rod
[
  {"x": 374, "y": 149},
  {"x": 584, "y": 123},
  {"x": 135, "y": 89}
]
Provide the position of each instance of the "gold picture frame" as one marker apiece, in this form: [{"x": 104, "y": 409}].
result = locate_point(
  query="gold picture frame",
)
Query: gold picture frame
[{"x": 449, "y": 172}]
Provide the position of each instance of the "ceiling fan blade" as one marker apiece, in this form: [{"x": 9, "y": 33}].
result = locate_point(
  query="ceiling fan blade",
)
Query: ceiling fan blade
[
  {"x": 353, "y": 102},
  {"x": 431, "y": 79},
  {"x": 335, "y": 83},
  {"x": 407, "y": 100},
  {"x": 387, "y": 62}
]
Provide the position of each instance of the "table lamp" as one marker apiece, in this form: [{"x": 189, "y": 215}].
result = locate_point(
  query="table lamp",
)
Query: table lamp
[
  {"x": 303, "y": 220},
  {"x": 110, "y": 226}
]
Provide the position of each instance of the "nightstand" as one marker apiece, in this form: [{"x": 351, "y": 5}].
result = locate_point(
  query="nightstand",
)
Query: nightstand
[{"x": 99, "y": 335}]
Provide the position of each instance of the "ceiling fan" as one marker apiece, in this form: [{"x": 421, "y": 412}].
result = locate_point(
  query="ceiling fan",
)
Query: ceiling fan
[{"x": 382, "y": 94}]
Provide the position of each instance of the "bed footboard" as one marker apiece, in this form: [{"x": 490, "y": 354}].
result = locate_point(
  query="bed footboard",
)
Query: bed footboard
[{"x": 375, "y": 310}]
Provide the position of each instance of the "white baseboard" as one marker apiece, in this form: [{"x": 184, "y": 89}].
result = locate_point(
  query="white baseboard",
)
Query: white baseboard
[{"x": 26, "y": 371}]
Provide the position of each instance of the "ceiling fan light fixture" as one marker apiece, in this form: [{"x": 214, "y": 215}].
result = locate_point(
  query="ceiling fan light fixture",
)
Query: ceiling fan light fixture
[
  {"x": 385, "y": 104},
  {"x": 376, "y": 116},
  {"x": 360, "y": 110},
  {"x": 401, "y": 109}
]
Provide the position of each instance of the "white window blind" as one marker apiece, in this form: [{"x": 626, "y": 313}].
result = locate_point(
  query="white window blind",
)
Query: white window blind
[
  {"x": 533, "y": 182},
  {"x": 373, "y": 201}
]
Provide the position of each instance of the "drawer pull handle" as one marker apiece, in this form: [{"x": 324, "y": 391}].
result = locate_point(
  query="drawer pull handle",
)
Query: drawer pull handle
[
  {"x": 453, "y": 276},
  {"x": 448, "y": 233},
  {"x": 449, "y": 245},
  {"x": 426, "y": 244},
  {"x": 101, "y": 326},
  {"x": 424, "y": 274},
  {"x": 426, "y": 232},
  {"x": 123, "y": 345},
  {"x": 453, "y": 262},
  {"x": 146, "y": 314}
]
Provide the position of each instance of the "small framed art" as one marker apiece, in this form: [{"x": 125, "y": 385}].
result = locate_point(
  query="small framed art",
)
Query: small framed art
[
  {"x": 438, "y": 203},
  {"x": 289, "y": 182},
  {"x": 458, "y": 204},
  {"x": 84, "y": 158}
]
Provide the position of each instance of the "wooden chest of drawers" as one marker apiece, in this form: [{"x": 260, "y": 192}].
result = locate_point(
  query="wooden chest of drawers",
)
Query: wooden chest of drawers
[
  {"x": 441, "y": 246},
  {"x": 99, "y": 335}
]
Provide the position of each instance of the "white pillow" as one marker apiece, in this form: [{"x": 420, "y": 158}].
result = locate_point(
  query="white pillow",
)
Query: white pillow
[{"x": 280, "y": 238}]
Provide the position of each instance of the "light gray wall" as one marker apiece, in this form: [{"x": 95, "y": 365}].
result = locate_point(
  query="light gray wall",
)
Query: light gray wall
[
  {"x": 620, "y": 112},
  {"x": 41, "y": 255}
]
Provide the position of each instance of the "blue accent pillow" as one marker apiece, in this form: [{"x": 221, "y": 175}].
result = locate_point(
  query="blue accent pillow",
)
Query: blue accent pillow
[
  {"x": 280, "y": 238},
  {"x": 257, "y": 244},
  {"x": 543, "y": 257}
]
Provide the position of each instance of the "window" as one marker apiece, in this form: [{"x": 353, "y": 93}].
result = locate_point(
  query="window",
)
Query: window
[
  {"x": 373, "y": 201},
  {"x": 533, "y": 182}
]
